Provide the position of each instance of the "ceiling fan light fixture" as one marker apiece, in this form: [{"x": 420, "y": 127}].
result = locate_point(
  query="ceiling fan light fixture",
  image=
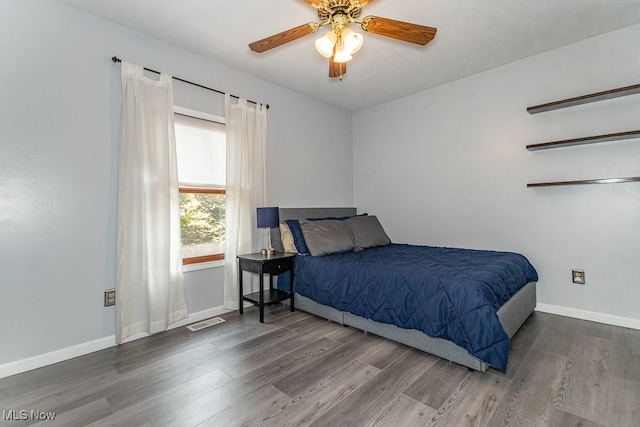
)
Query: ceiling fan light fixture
[
  {"x": 341, "y": 54},
  {"x": 342, "y": 57},
  {"x": 325, "y": 44},
  {"x": 352, "y": 41}
]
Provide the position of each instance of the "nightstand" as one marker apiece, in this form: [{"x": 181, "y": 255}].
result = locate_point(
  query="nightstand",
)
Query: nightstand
[{"x": 266, "y": 264}]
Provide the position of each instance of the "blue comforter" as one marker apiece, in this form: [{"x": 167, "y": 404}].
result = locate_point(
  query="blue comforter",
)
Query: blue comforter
[{"x": 448, "y": 293}]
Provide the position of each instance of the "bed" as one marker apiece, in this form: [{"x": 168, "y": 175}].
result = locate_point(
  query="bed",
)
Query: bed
[{"x": 459, "y": 304}]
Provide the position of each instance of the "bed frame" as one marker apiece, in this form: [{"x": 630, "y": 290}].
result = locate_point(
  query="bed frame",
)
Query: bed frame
[{"x": 512, "y": 314}]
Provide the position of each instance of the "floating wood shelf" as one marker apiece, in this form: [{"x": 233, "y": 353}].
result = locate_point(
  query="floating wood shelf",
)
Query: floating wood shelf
[
  {"x": 585, "y": 140},
  {"x": 593, "y": 97},
  {"x": 587, "y": 181}
]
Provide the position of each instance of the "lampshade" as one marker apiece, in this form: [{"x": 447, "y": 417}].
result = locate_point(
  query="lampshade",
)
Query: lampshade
[
  {"x": 341, "y": 55},
  {"x": 352, "y": 41},
  {"x": 268, "y": 217},
  {"x": 324, "y": 45}
]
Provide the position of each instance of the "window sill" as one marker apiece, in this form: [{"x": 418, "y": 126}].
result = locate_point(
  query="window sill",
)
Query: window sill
[{"x": 203, "y": 265}]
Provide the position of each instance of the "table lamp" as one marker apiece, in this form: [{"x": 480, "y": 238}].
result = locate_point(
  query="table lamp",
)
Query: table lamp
[{"x": 268, "y": 218}]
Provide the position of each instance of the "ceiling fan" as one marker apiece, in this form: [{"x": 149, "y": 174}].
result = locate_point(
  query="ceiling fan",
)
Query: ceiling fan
[{"x": 341, "y": 42}]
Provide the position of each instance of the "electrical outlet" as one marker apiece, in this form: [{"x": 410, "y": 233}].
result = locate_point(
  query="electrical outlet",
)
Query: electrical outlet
[
  {"x": 577, "y": 276},
  {"x": 109, "y": 297}
]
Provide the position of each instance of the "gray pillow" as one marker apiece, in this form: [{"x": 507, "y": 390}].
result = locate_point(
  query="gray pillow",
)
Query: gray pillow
[
  {"x": 327, "y": 237},
  {"x": 367, "y": 232}
]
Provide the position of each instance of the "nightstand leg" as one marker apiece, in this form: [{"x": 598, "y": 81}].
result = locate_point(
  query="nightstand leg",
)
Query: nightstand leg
[
  {"x": 240, "y": 304},
  {"x": 261, "y": 297}
]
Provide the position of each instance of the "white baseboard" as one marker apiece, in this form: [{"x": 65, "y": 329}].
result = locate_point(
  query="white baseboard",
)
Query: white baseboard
[
  {"x": 609, "y": 319},
  {"x": 56, "y": 356},
  {"x": 24, "y": 365}
]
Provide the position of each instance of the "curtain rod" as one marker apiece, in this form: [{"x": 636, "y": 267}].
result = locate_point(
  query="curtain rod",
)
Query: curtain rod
[{"x": 115, "y": 60}]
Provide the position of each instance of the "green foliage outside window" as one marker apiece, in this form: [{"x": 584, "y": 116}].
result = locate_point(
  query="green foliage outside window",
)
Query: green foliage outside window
[{"x": 202, "y": 223}]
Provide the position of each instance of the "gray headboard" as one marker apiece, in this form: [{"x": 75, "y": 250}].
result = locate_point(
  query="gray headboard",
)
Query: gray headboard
[{"x": 303, "y": 213}]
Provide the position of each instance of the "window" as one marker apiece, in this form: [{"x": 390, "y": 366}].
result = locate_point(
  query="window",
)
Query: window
[{"x": 201, "y": 152}]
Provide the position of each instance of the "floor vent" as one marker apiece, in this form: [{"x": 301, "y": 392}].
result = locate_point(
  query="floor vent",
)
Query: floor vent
[{"x": 205, "y": 324}]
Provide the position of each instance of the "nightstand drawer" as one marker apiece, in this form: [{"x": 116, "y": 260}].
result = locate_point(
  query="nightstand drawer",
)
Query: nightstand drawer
[{"x": 277, "y": 267}]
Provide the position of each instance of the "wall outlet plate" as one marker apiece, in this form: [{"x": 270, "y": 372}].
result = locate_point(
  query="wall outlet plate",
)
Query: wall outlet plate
[
  {"x": 577, "y": 276},
  {"x": 109, "y": 297}
]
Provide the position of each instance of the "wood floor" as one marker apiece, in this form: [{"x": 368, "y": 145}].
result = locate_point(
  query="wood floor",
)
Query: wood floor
[{"x": 298, "y": 370}]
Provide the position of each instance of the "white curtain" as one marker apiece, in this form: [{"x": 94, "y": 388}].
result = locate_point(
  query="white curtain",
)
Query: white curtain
[
  {"x": 149, "y": 278},
  {"x": 246, "y": 189}
]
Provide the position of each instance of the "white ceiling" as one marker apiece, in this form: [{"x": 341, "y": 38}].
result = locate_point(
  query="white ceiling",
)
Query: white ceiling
[{"x": 473, "y": 35}]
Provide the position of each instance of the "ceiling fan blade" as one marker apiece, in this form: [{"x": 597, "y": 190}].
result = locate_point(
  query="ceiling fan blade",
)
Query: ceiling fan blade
[
  {"x": 413, "y": 33},
  {"x": 337, "y": 69},
  {"x": 283, "y": 37}
]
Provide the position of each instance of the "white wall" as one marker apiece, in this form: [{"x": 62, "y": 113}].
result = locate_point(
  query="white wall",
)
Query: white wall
[
  {"x": 59, "y": 117},
  {"x": 448, "y": 166}
]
